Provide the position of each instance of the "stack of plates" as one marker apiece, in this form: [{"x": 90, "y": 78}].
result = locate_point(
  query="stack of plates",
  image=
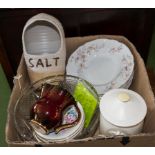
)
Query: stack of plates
[{"x": 105, "y": 63}]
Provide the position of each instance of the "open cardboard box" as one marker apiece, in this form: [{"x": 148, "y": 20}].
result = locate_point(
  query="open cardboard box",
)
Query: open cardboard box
[{"x": 140, "y": 84}]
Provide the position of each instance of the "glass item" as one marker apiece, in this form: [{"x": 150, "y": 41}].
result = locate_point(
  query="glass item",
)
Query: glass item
[{"x": 31, "y": 94}]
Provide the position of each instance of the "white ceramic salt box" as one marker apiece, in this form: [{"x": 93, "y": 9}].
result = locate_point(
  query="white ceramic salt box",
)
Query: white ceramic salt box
[{"x": 44, "y": 47}]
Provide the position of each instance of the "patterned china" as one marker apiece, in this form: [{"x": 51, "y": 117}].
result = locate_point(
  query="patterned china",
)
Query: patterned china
[
  {"x": 67, "y": 134},
  {"x": 105, "y": 63}
]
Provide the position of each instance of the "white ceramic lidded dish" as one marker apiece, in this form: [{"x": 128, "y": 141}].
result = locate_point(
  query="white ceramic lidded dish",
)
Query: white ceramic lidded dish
[{"x": 122, "y": 112}]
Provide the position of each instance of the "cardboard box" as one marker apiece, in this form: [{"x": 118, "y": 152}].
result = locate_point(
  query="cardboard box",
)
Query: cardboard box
[{"x": 140, "y": 84}]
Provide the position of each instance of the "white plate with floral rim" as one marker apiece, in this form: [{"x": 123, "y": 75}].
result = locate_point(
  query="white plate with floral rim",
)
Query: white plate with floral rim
[{"x": 105, "y": 63}]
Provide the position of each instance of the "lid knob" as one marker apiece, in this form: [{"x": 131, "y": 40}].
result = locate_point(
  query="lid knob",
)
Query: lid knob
[{"x": 123, "y": 97}]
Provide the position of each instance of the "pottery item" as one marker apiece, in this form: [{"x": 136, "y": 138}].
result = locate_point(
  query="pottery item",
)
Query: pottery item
[
  {"x": 47, "y": 112},
  {"x": 122, "y": 111},
  {"x": 66, "y": 134},
  {"x": 44, "y": 47}
]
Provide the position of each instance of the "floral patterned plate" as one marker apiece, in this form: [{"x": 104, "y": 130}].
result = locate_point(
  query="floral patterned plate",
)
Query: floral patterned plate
[{"x": 105, "y": 63}]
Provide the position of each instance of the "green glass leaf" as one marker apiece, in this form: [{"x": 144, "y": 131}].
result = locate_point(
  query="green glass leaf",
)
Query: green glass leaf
[{"x": 87, "y": 100}]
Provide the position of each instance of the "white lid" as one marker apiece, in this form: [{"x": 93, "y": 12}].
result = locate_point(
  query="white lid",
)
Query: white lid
[
  {"x": 66, "y": 134},
  {"x": 123, "y": 107}
]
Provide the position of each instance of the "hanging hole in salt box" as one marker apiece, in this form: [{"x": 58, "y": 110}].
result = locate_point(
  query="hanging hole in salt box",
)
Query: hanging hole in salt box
[{"x": 42, "y": 37}]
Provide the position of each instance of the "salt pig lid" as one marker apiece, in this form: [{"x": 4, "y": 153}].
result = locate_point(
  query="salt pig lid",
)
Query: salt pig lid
[{"x": 123, "y": 107}]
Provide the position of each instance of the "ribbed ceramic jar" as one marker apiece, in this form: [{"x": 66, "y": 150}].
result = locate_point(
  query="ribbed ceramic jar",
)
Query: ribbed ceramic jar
[{"x": 44, "y": 47}]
